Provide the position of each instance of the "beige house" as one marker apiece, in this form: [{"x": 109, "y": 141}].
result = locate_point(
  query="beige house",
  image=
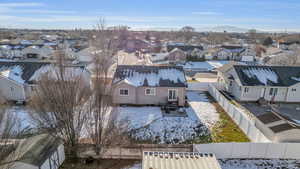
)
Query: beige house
[
  {"x": 251, "y": 83},
  {"x": 149, "y": 85}
]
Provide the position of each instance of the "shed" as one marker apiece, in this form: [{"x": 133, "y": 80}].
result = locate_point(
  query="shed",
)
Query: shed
[{"x": 171, "y": 160}]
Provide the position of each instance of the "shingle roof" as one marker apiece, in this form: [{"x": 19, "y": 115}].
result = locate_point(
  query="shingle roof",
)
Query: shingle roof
[
  {"x": 268, "y": 75},
  {"x": 162, "y": 76},
  {"x": 35, "y": 150},
  {"x": 28, "y": 68}
]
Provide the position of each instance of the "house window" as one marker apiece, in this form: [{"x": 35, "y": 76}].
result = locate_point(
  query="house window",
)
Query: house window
[
  {"x": 124, "y": 92},
  {"x": 273, "y": 91},
  {"x": 150, "y": 92},
  {"x": 293, "y": 90},
  {"x": 172, "y": 94},
  {"x": 11, "y": 89},
  {"x": 246, "y": 90}
]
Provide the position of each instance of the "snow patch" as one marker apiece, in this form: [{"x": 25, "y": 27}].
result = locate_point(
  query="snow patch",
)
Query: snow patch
[
  {"x": 148, "y": 124},
  {"x": 14, "y": 73},
  {"x": 137, "y": 79},
  {"x": 262, "y": 74},
  {"x": 296, "y": 78},
  {"x": 204, "y": 110}
]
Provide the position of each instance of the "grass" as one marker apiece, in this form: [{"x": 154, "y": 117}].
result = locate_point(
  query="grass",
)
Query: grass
[
  {"x": 225, "y": 130},
  {"x": 192, "y": 81}
]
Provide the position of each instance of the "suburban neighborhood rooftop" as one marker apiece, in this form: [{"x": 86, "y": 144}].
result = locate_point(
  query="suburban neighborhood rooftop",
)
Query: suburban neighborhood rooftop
[{"x": 155, "y": 76}]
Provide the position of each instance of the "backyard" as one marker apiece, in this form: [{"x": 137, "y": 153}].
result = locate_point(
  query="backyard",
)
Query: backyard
[{"x": 205, "y": 122}]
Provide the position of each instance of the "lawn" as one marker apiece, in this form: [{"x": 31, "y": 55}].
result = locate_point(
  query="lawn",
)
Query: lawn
[
  {"x": 222, "y": 127},
  {"x": 225, "y": 130}
]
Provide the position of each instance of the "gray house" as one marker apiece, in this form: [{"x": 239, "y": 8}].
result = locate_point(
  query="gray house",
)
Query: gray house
[
  {"x": 251, "y": 83},
  {"x": 149, "y": 85},
  {"x": 18, "y": 79}
]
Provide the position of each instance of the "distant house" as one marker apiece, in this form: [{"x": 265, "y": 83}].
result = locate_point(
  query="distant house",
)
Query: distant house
[
  {"x": 149, "y": 85},
  {"x": 230, "y": 52},
  {"x": 176, "y": 56},
  {"x": 182, "y": 46},
  {"x": 251, "y": 83},
  {"x": 32, "y": 51},
  {"x": 18, "y": 79},
  {"x": 133, "y": 45},
  {"x": 37, "y": 152}
]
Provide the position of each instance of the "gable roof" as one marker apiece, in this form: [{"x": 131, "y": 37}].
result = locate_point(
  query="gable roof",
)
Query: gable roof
[
  {"x": 281, "y": 76},
  {"x": 35, "y": 150},
  {"x": 25, "y": 69},
  {"x": 155, "y": 76}
]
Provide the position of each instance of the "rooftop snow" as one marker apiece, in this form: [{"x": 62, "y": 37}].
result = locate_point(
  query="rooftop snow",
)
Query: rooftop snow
[
  {"x": 296, "y": 78},
  {"x": 207, "y": 65},
  {"x": 262, "y": 74},
  {"x": 13, "y": 73},
  {"x": 151, "y": 76}
]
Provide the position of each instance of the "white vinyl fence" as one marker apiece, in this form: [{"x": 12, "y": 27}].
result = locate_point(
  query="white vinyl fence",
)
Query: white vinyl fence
[
  {"x": 251, "y": 150},
  {"x": 245, "y": 120}
]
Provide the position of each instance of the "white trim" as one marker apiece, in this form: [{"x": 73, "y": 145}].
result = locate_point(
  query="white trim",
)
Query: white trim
[
  {"x": 123, "y": 89},
  {"x": 176, "y": 91},
  {"x": 154, "y": 93}
]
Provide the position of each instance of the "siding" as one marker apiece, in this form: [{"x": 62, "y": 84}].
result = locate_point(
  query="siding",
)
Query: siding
[
  {"x": 294, "y": 96},
  {"x": 11, "y": 90},
  {"x": 161, "y": 96},
  {"x": 117, "y": 99},
  {"x": 137, "y": 95}
]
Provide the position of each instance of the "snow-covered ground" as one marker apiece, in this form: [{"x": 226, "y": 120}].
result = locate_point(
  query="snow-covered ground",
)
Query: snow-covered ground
[
  {"x": 198, "y": 86},
  {"x": 21, "y": 116},
  {"x": 249, "y": 164},
  {"x": 148, "y": 124},
  {"x": 138, "y": 117},
  {"x": 201, "y": 106},
  {"x": 260, "y": 164},
  {"x": 135, "y": 166}
]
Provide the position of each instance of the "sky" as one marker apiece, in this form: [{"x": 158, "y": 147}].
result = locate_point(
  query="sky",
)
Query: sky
[{"x": 270, "y": 15}]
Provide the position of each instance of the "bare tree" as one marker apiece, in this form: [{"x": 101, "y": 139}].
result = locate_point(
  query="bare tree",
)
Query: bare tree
[
  {"x": 187, "y": 33},
  {"x": 9, "y": 136},
  {"x": 58, "y": 102},
  {"x": 102, "y": 123}
]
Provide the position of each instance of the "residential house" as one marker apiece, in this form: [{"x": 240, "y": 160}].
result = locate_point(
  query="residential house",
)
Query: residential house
[
  {"x": 37, "y": 152},
  {"x": 277, "y": 127},
  {"x": 173, "y": 57},
  {"x": 149, "y": 85},
  {"x": 182, "y": 46},
  {"x": 32, "y": 51},
  {"x": 18, "y": 79},
  {"x": 251, "y": 83},
  {"x": 176, "y": 56},
  {"x": 230, "y": 52}
]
